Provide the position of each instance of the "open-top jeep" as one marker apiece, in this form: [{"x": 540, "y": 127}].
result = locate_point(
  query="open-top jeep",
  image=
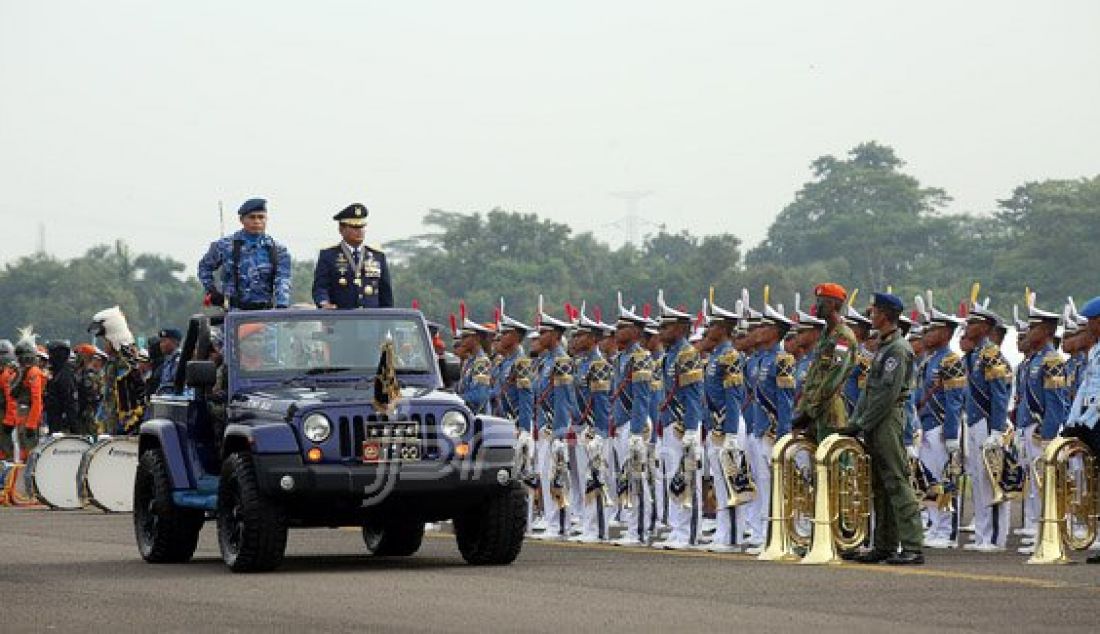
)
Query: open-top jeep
[{"x": 320, "y": 419}]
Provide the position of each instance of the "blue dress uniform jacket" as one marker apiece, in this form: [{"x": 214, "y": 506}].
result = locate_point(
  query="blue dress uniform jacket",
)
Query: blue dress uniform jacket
[
  {"x": 475, "y": 383},
  {"x": 555, "y": 399},
  {"x": 630, "y": 396},
  {"x": 773, "y": 392},
  {"x": 857, "y": 380},
  {"x": 912, "y": 421},
  {"x": 248, "y": 283},
  {"x": 801, "y": 368},
  {"x": 725, "y": 387},
  {"x": 1085, "y": 411},
  {"x": 510, "y": 393},
  {"x": 336, "y": 278},
  {"x": 1021, "y": 418},
  {"x": 1075, "y": 372},
  {"x": 989, "y": 381},
  {"x": 682, "y": 374},
  {"x": 592, "y": 379},
  {"x": 1044, "y": 397},
  {"x": 656, "y": 392},
  {"x": 943, "y": 392}
]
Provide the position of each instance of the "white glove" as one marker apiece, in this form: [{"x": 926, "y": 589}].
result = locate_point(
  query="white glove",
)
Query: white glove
[
  {"x": 994, "y": 439},
  {"x": 952, "y": 445},
  {"x": 731, "y": 444},
  {"x": 912, "y": 451}
]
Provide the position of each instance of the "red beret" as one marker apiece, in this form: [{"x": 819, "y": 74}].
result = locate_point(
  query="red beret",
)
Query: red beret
[{"x": 836, "y": 291}]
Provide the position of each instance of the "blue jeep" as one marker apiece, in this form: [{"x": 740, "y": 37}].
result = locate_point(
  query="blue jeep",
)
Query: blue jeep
[{"x": 320, "y": 419}]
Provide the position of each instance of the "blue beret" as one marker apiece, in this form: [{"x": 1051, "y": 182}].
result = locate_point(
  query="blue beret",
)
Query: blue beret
[
  {"x": 888, "y": 300},
  {"x": 170, "y": 333},
  {"x": 1091, "y": 308},
  {"x": 253, "y": 205}
]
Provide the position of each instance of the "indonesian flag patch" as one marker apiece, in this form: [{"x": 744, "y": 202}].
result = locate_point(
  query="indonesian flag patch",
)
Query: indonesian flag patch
[{"x": 842, "y": 347}]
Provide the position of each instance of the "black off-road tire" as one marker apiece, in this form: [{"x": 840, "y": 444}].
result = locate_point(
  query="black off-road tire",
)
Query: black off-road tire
[
  {"x": 492, "y": 534},
  {"x": 393, "y": 539},
  {"x": 165, "y": 533},
  {"x": 251, "y": 528}
]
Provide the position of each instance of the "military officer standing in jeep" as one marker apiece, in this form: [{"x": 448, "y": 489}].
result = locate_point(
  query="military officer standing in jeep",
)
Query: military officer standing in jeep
[
  {"x": 255, "y": 267},
  {"x": 351, "y": 274}
]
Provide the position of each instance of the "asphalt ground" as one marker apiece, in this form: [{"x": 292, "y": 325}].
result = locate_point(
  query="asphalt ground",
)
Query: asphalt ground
[{"x": 80, "y": 571}]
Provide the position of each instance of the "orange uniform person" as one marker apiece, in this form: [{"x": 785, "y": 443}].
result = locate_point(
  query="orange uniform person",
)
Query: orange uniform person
[{"x": 23, "y": 400}]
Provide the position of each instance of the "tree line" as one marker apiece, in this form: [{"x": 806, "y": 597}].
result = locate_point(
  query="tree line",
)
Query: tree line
[{"x": 860, "y": 219}]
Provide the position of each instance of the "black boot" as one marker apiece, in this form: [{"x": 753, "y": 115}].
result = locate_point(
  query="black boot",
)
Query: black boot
[
  {"x": 873, "y": 556},
  {"x": 1095, "y": 559},
  {"x": 906, "y": 558}
]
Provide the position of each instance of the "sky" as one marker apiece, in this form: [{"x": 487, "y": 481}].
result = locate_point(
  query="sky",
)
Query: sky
[{"x": 133, "y": 119}]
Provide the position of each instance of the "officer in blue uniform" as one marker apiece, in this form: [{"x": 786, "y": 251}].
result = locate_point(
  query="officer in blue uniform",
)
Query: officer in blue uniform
[
  {"x": 1084, "y": 414},
  {"x": 630, "y": 401},
  {"x": 592, "y": 381},
  {"x": 681, "y": 414},
  {"x": 857, "y": 380},
  {"x": 255, "y": 267},
  {"x": 351, "y": 274},
  {"x": 510, "y": 395},
  {"x": 476, "y": 382}
]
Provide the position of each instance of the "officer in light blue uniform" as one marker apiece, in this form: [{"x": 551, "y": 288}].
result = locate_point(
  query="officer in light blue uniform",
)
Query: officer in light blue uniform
[
  {"x": 475, "y": 384},
  {"x": 592, "y": 381},
  {"x": 255, "y": 268},
  {"x": 756, "y": 513},
  {"x": 861, "y": 327},
  {"x": 1084, "y": 414},
  {"x": 989, "y": 385},
  {"x": 352, "y": 274},
  {"x": 555, "y": 411},
  {"x": 681, "y": 414},
  {"x": 630, "y": 402},
  {"x": 807, "y": 329},
  {"x": 724, "y": 384},
  {"x": 510, "y": 394}
]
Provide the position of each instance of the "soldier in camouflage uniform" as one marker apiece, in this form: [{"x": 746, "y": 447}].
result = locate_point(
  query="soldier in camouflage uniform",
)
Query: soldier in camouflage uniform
[{"x": 820, "y": 407}]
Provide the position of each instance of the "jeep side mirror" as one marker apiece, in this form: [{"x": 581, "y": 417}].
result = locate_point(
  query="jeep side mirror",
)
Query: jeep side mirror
[
  {"x": 201, "y": 374},
  {"x": 451, "y": 369}
]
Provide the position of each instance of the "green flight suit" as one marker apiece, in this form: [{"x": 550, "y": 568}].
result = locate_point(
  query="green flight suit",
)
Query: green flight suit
[
  {"x": 821, "y": 400},
  {"x": 880, "y": 414}
]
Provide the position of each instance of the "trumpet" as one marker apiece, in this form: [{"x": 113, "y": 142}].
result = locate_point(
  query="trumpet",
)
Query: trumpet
[
  {"x": 1071, "y": 501},
  {"x": 791, "y": 507},
  {"x": 842, "y": 504}
]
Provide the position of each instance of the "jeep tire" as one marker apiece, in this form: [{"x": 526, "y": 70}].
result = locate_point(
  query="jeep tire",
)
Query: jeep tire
[
  {"x": 251, "y": 528},
  {"x": 492, "y": 533},
  {"x": 165, "y": 532},
  {"x": 399, "y": 538}
]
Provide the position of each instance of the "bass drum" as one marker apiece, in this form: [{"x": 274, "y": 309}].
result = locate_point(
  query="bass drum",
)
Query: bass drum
[
  {"x": 107, "y": 474},
  {"x": 53, "y": 467}
]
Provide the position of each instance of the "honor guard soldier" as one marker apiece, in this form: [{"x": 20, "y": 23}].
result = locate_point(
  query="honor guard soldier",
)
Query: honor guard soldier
[
  {"x": 661, "y": 472},
  {"x": 724, "y": 385},
  {"x": 255, "y": 268},
  {"x": 820, "y": 409},
  {"x": 512, "y": 371},
  {"x": 914, "y": 337},
  {"x": 861, "y": 328},
  {"x": 351, "y": 274},
  {"x": 555, "y": 410},
  {"x": 807, "y": 333},
  {"x": 630, "y": 400},
  {"x": 756, "y": 513},
  {"x": 1025, "y": 431},
  {"x": 592, "y": 381},
  {"x": 475, "y": 385},
  {"x": 879, "y": 416},
  {"x": 1084, "y": 414},
  {"x": 940, "y": 409},
  {"x": 1075, "y": 343},
  {"x": 989, "y": 385},
  {"x": 681, "y": 413}
]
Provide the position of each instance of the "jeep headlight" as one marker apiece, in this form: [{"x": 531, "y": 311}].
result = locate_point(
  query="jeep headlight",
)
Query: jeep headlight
[
  {"x": 454, "y": 424},
  {"x": 317, "y": 428}
]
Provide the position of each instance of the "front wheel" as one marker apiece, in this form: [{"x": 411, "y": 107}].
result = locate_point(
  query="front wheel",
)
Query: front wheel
[
  {"x": 492, "y": 533},
  {"x": 393, "y": 538},
  {"x": 251, "y": 528},
  {"x": 165, "y": 533}
]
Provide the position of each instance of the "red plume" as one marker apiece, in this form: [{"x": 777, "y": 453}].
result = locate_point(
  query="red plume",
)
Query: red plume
[
  {"x": 569, "y": 311},
  {"x": 462, "y": 311},
  {"x": 416, "y": 304},
  {"x": 915, "y": 316},
  {"x": 813, "y": 310},
  {"x": 598, "y": 314},
  {"x": 454, "y": 324},
  {"x": 700, "y": 319},
  {"x": 964, "y": 309},
  {"x": 646, "y": 311},
  {"x": 496, "y": 315}
]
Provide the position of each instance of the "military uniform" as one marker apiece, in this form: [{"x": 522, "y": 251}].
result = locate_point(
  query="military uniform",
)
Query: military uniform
[
  {"x": 943, "y": 390},
  {"x": 630, "y": 401},
  {"x": 989, "y": 387},
  {"x": 880, "y": 416},
  {"x": 555, "y": 410},
  {"x": 821, "y": 401},
  {"x": 724, "y": 386},
  {"x": 89, "y": 389},
  {"x": 255, "y": 268},
  {"x": 592, "y": 382},
  {"x": 350, "y": 276},
  {"x": 1084, "y": 413}
]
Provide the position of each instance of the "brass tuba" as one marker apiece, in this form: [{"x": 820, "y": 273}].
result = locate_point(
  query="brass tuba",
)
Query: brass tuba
[
  {"x": 791, "y": 507},
  {"x": 1071, "y": 501},
  {"x": 842, "y": 509},
  {"x": 740, "y": 485},
  {"x": 1002, "y": 465}
]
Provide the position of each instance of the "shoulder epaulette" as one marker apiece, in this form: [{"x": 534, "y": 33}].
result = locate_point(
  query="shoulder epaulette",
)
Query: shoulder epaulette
[
  {"x": 784, "y": 370},
  {"x": 994, "y": 365},
  {"x": 952, "y": 371},
  {"x": 1054, "y": 371},
  {"x": 640, "y": 368},
  {"x": 563, "y": 370},
  {"x": 525, "y": 372},
  {"x": 689, "y": 367},
  {"x": 599, "y": 376},
  {"x": 377, "y": 248},
  {"x": 481, "y": 370}
]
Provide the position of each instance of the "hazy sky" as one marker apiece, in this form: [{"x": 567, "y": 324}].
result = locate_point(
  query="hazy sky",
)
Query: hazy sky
[{"x": 132, "y": 119}]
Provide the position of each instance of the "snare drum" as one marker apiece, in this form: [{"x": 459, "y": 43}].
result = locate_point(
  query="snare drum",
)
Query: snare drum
[
  {"x": 107, "y": 474},
  {"x": 53, "y": 467}
]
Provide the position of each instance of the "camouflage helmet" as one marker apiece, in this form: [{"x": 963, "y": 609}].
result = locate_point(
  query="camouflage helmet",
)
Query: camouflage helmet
[{"x": 7, "y": 351}]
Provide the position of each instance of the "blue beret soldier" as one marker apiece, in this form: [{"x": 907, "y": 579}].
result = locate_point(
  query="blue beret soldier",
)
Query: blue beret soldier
[
  {"x": 255, "y": 268},
  {"x": 351, "y": 274}
]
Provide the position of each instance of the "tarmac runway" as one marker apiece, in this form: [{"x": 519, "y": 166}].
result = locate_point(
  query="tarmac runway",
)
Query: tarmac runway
[{"x": 80, "y": 571}]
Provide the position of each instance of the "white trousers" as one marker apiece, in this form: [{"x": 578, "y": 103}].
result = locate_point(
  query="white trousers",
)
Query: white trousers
[
  {"x": 557, "y": 520},
  {"x": 1030, "y": 453},
  {"x": 637, "y": 516},
  {"x": 933, "y": 454},
  {"x": 685, "y": 521},
  {"x": 990, "y": 522},
  {"x": 757, "y": 511},
  {"x": 594, "y": 509},
  {"x": 662, "y": 473},
  {"x": 729, "y": 522}
]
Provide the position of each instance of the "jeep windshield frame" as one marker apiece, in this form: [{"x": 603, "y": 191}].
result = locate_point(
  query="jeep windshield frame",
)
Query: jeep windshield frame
[{"x": 331, "y": 346}]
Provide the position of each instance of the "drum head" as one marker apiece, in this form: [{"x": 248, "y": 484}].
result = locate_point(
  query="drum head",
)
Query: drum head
[
  {"x": 56, "y": 463},
  {"x": 109, "y": 474}
]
